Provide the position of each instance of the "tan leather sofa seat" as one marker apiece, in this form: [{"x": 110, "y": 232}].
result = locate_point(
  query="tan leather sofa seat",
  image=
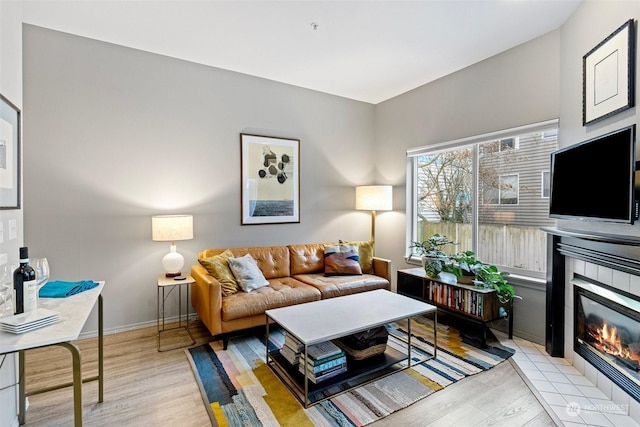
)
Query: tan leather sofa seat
[{"x": 281, "y": 292}]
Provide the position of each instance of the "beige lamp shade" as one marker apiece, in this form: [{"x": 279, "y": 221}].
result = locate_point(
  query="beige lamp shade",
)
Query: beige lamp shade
[
  {"x": 374, "y": 198},
  {"x": 169, "y": 228}
]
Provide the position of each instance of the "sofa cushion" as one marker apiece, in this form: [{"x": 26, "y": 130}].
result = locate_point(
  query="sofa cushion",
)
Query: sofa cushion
[
  {"x": 218, "y": 267},
  {"x": 281, "y": 292},
  {"x": 335, "y": 286},
  {"x": 341, "y": 260},
  {"x": 247, "y": 274},
  {"x": 307, "y": 258}
]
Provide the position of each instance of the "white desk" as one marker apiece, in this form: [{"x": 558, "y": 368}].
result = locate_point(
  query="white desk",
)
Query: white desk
[{"x": 74, "y": 311}]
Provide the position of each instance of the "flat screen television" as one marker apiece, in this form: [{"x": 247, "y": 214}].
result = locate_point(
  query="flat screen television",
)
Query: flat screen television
[{"x": 595, "y": 180}]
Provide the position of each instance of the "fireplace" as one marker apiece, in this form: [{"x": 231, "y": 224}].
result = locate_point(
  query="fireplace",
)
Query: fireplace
[{"x": 607, "y": 331}]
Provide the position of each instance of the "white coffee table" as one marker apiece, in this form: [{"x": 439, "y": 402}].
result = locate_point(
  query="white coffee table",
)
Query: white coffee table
[{"x": 328, "y": 319}]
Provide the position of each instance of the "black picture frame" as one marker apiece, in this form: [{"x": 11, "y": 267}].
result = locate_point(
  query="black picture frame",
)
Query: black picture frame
[
  {"x": 608, "y": 75},
  {"x": 10, "y": 135},
  {"x": 270, "y": 179}
]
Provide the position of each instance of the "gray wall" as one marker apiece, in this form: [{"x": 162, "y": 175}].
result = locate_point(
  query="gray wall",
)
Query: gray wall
[
  {"x": 587, "y": 27},
  {"x": 118, "y": 135}
]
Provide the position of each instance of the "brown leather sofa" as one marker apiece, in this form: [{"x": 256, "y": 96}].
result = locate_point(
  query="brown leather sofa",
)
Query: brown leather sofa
[{"x": 295, "y": 274}]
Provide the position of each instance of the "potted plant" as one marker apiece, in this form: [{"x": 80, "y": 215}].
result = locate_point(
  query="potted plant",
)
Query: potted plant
[
  {"x": 434, "y": 259},
  {"x": 463, "y": 265}
]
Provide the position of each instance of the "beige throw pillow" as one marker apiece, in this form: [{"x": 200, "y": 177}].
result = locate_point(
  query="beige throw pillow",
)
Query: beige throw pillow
[{"x": 218, "y": 267}]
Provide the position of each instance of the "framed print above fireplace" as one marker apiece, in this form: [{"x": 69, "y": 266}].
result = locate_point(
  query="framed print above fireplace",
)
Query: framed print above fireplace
[
  {"x": 608, "y": 75},
  {"x": 9, "y": 155},
  {"x": 270, "y": 180}
]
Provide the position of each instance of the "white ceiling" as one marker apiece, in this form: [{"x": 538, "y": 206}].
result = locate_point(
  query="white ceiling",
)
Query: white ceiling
[{"x": 364, "y": 50}]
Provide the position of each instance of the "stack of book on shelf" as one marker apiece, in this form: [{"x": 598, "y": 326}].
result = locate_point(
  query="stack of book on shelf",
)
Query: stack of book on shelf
[
  {"x": 325, "y": 360},
  {"x": 291, "y": 349}
]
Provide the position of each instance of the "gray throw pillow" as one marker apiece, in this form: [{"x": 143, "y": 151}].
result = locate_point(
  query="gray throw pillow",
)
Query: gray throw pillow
[{"x": 247, "y": 274}]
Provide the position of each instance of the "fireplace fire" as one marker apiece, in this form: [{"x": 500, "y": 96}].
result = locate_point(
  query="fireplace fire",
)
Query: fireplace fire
[
  {"x": 605, "y": 339},
  {"x": 607, "y": 332}
]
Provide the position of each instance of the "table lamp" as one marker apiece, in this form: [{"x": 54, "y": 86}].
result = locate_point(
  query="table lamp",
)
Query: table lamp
[
  {"x": 169, "y": 228},
  {"x": 374, "y": 198}
]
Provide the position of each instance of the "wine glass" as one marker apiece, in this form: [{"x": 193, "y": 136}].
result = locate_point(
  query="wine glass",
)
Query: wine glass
[
  {"x": 41, "y": 267},
  {"x": 6, "y": 290},
  {"x": 42, "y": 271}
]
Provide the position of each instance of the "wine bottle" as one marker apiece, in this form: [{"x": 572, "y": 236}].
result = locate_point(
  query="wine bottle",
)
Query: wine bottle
[{"x": 24, "y": 284}]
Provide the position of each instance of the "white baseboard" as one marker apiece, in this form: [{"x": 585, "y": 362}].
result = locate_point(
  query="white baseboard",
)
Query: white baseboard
[{"x": 134, "y": 326}]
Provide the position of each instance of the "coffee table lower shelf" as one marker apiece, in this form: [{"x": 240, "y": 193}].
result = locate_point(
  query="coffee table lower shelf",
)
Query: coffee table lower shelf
[{"x": 358, "y": 373}]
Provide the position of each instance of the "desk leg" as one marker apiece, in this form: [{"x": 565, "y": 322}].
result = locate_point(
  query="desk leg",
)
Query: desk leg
[
  {"x": 22, "y": 407},
  {"x": 100, "y": 351},
  {"x": 77, "y": 382}
]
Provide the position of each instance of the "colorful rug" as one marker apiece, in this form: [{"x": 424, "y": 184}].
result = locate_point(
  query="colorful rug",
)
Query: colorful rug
[{"x": 239, "y": 389}]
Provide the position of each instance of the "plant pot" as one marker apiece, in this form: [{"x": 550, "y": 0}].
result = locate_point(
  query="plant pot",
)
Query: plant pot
[
  {"x": 432, "y": 266},
  {"x": 449, "y": 278},
  {"x": 466, "y": 279}
]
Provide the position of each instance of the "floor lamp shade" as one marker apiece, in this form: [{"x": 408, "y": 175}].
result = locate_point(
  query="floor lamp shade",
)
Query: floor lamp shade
[
  {"x": 169, "y": 228},
  {"x": 374, "y": 198}
]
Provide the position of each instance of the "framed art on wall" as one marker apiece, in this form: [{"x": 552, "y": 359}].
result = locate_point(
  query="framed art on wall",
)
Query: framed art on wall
[
  {"x": 270, "y": 169},
  {"x": 609, "y": 75},
  {"x": 9, "y": 155}
]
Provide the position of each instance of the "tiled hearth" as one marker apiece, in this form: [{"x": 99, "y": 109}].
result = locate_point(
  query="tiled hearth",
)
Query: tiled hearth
[
  {"x": 573, "y": 391},
  {"x": 567, "y": 392}
]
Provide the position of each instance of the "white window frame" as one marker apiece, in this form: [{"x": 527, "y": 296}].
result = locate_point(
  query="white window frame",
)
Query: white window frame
[{"x": 411, "y": 174}]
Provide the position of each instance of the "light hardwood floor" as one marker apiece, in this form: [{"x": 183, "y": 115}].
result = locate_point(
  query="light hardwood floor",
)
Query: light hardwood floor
[{"x": 144, "y": 387}]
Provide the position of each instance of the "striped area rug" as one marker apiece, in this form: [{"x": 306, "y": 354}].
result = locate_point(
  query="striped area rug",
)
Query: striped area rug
[{"x": 239, "y": 389}]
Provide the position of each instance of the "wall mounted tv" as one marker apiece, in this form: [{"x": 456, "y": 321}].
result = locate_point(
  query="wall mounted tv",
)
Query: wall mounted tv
[{"x": 595, "y": 180}]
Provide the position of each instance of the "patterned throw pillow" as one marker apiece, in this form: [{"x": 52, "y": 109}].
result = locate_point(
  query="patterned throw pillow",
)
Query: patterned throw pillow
[
  {"x": 218, "y": 267},
  {"x": 341, "y": 260},
  {"x": 246, "y": 271},
  {"x": 365, "y": 252}
]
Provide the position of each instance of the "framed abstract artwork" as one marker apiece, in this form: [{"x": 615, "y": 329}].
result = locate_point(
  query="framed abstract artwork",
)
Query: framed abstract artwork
[
  {"x": 609, "y": 75},
  {"x": 270, "y": 179},
  {"x": 9, "y": 155}
]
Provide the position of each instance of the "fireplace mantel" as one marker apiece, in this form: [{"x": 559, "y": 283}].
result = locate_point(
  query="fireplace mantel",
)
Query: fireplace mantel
[{"x": 613, "y": 251}]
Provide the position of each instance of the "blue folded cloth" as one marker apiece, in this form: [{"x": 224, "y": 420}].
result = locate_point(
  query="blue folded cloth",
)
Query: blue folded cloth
[{"x": 60, "y": 289}]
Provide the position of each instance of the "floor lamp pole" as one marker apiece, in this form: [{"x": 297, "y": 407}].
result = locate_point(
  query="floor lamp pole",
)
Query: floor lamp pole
[{"x": 373, "y": 231}]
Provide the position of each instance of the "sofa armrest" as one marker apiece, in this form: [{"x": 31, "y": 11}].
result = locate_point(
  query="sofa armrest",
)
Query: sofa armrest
[
  {"x": 206, "y": 298},
  {"x": 382, "y": 268}
]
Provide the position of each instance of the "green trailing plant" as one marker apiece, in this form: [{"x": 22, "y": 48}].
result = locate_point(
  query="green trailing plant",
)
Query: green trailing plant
[{"x": 489, "y": 276}]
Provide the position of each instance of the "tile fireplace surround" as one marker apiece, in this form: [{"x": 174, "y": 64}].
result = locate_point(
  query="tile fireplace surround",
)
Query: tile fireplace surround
[{"x": 611, "y": 260}]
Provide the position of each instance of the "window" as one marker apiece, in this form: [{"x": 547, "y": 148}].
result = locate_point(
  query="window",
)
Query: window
[
  {"x": 509, "y": 186},
  {"x": 487, "y": 194},
  {"x": 546, "y": 184}
]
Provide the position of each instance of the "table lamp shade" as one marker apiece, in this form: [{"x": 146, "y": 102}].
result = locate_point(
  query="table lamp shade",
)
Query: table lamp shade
[
  {"x": 169, "y": 228},
  {"x": 374, "y": 198}
]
